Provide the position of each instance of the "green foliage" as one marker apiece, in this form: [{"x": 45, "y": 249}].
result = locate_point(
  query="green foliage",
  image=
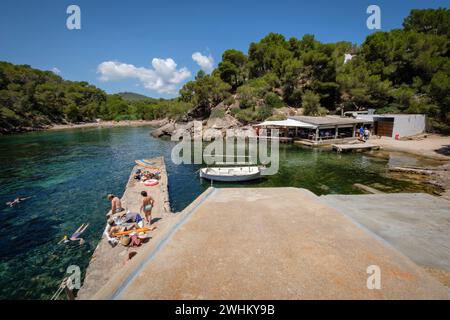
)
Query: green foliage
[
  {"x": 232, "y": 69},
  {"x": 217, "y": 113},
  {"x": 205, "y": 92},
  {"x": 429, "y": 21},
  {"x": 311, "y": 104},
  {"x": 131, "y": 96},
  {"x": 273, "y": 100},
  {"x": 33, "y": 98},
  {"x": 403, "y": 71}
]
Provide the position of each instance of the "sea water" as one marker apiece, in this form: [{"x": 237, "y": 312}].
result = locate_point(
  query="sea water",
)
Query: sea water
[{"x": 68, "y": 174}]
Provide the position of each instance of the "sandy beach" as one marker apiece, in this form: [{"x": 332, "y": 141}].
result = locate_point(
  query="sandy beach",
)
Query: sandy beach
[
  {"x": 107, "y": 124},
  {"x": 429, "y": 146},
  {"x": 432, "y": 146}
]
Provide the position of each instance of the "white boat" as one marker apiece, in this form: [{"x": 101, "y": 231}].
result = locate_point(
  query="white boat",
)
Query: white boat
[{"x": 231, "y": 174}]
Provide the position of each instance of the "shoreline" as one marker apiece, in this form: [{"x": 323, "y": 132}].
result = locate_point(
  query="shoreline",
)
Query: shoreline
[
  {"x": 107, "y": 124},
  {"x": 99, "y": 124}
]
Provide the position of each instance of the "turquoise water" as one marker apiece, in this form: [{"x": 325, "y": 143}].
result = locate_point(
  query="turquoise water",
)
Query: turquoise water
[{"x": 69, "y": 173}]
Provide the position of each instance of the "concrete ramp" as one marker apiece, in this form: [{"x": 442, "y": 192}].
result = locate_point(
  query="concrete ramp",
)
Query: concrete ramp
[
  {"x": 270, "y": 243},
  {"x": 417, "y": 224}
]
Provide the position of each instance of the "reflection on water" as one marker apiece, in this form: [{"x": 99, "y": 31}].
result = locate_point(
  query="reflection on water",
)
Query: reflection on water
[{"x": 69, "y": 173}]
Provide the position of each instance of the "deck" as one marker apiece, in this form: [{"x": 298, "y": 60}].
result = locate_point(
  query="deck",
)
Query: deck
[{"x": 355, "y": 147}]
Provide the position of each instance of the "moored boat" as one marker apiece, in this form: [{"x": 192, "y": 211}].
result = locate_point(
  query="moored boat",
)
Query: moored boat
[{"x": 231, "y": 174}]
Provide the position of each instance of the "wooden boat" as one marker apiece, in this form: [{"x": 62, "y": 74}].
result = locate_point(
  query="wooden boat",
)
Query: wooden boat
[{"x": 231, "y": 174}]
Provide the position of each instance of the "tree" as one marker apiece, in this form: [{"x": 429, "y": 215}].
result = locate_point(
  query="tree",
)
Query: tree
[
  {"x": 433, "y": 21},
  {"x": 311, "y": 104}
]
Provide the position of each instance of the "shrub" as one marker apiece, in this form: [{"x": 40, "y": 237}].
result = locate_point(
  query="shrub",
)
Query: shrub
[{"x": 273, "y": 100}]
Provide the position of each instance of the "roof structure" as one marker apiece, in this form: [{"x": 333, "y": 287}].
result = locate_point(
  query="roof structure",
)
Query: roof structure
[
  {"x": 327, "y": 120},
  {"x": 286, "y": 123}
]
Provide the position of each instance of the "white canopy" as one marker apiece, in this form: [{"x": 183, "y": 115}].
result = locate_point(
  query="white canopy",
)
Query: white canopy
[{"x": 286, "y": 123}]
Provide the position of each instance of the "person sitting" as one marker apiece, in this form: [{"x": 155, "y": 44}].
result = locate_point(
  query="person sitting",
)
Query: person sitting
[
  {"x": 76, "y": 235},
  {"x": 116, "y": 204}
]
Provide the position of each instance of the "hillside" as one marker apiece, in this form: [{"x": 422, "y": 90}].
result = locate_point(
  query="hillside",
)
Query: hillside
[
  {"x": 401, "y": 71},
  {"x": 32, "y": 99},
  {"x": 131, "y": 96}
]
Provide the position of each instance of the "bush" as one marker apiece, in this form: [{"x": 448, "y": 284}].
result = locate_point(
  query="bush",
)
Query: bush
[
  {"x": 246, "y": 115},
  {"x": 273, "y": 100},
  {"x": 311, "y": 104},
  {"x": 217, "y": 113}
]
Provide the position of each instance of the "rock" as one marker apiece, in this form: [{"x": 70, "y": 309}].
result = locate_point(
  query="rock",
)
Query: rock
[
  {"x": 285, "y": 111},
  {"x": 197, "y": 130},
  {"x": 225, "y": 122},
  {"x": 210, "y": 134},
  {"x": 165, "y": 130}
]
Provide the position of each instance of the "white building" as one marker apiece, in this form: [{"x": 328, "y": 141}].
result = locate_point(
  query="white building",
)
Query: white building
[{"x": 400, "y": 125}]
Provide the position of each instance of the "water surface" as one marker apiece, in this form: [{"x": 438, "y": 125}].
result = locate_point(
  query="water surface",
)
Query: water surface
[{"x": 69, "y": 173}]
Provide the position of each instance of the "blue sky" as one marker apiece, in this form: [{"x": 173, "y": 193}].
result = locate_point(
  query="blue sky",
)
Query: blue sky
[{"x": 119, "y": 40}]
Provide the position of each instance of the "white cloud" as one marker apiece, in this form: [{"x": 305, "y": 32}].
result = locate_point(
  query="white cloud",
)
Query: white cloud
[
  {"x": 162, "y": 78},
  {"x": 55, "y": 70},
  {"x": 206, "y": 63}
]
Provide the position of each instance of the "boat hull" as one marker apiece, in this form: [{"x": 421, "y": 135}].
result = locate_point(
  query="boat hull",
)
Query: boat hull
[{"x": 214, "y": 176}]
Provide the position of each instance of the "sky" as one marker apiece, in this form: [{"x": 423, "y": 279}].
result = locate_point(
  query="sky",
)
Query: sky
[{"x": 154, "y": 47}]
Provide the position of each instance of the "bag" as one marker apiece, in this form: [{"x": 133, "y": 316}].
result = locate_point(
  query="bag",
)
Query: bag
[{"x": 135, "y": 241}]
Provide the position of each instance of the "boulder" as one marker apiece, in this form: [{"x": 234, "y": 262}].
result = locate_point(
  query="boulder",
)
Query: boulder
[
  {"x": 165, "y": 130},
  {"x": 225, "y": 122},
  {"x": 210, "y": 134}
]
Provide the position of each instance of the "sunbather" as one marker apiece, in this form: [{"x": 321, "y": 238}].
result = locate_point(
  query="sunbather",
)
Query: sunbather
[
  {"x": 76, "y": 235},
  {"x": 113, "y": 228}
]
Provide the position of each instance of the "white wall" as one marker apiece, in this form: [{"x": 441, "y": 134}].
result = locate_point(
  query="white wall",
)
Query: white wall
[{"x": 409, "y": 125}]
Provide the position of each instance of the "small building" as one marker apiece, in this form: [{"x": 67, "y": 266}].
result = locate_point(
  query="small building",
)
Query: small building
[
  {"x": 317, "y": 130},
  {"x": 396, "y": 125}
]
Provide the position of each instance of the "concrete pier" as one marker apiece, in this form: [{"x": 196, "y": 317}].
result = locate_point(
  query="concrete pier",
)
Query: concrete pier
[
  {"x": 268, "y": 243},
  {"x": 355, "y": 147},
  {"x": 106, "y": 260}
]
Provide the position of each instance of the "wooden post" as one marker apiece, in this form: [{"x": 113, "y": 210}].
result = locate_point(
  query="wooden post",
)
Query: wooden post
[
  {"x": 336, "y": 132},
  {"x": 354, "y": 131}
]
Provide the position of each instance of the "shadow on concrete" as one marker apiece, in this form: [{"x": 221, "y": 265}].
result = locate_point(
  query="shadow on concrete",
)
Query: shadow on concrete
[
  {"x": 155, "y": 220},
  {"x": 445, "y": 150}
]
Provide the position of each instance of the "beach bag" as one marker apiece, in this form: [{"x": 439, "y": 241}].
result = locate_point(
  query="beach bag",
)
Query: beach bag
[
  {"x": 125, "y": 240},
  {"x": 135, "y": 241}
]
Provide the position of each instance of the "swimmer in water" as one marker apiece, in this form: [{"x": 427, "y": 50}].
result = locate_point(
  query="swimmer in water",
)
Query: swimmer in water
[
  {"x": 16, "y": 201},
  {"x": 76, "y": 235}
]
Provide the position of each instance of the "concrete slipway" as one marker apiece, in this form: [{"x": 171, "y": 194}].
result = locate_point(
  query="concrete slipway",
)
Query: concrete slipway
[
  {"x": 271, "y": 243},
  {"x": 417, "y": 224}
]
